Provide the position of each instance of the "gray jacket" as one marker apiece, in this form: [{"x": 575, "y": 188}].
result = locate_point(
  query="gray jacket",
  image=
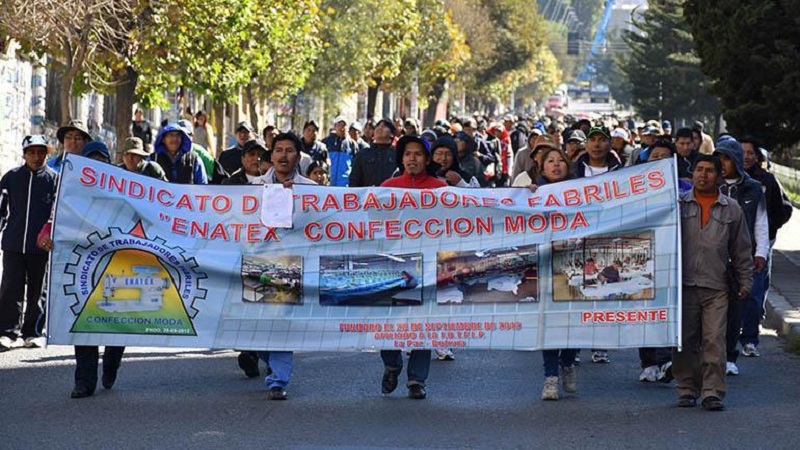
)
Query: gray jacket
[{"x": 707, "y": 251}]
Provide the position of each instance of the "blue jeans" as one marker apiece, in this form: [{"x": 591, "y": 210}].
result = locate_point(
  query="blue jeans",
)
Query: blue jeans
[
  {"x": 555, "y": 358},
  {"x": 281, "y": 365},
  {"x": 419, "y": 364},
  {"x": 753, "y": 309}
]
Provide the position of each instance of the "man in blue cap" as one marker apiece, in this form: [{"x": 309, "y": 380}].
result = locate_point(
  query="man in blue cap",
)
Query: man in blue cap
[{"x": 28, "y": 193}]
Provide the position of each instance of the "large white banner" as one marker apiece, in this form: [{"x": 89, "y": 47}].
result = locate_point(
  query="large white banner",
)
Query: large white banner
[{"x": 591, "y": 263}]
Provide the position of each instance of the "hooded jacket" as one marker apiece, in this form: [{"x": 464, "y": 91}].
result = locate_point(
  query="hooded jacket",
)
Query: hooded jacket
[
  {"x": 30, "y": 197},
  {"x": 748, "y": 193},
  {"x": 449, "y": 143},
  {"x": 580, "y": 165},
  {"x": 186, "y": 167}
]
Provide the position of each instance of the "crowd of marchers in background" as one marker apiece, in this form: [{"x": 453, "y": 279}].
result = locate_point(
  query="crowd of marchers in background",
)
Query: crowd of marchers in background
[{"x": 731, "y": 210}]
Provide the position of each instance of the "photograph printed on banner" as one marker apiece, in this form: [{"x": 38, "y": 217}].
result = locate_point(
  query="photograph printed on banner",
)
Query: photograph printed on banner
[
  {"x": 607, "y": 267},
  {"x": 498, "y": 275},
  {"x": 272, "y": 279},
  {"x": 381, "y": 279}
]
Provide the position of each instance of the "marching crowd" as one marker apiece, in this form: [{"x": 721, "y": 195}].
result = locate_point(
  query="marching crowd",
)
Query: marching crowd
[{"x": 731, "y": 207}]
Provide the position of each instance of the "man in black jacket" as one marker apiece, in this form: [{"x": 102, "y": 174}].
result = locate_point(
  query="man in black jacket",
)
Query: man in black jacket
[
  {"x": 30, "y": 191},
  {"x": 231, "y": 158},
  {"x": 379, "y": 162}
]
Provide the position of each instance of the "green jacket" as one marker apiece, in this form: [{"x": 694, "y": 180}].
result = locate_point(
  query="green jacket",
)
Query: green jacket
[{"x": 205, "y": 158}]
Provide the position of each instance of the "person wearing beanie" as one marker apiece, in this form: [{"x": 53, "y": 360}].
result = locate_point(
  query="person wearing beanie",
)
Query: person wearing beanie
[
  {"x": 97, "y": 151},
  {"x": 28, "y": 193},
  {"x": 378, "y": 163},
  {"x": 416, "y": 163},
  {"x": 746, "y": 191}
]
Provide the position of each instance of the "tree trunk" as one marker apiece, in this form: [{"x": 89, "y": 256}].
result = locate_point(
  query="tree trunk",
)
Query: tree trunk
[
  {"x": 434, "y": 96},
  {"x": 219, "y": 126},
  {"x": 125, "y": 95},
  {"x": 252, "y": 107},
  {"x": 65, "y": 98},
  {"x": 372, "y": 95}
]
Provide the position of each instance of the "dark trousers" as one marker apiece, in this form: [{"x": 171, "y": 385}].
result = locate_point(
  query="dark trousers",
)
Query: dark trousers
[
  {"x": 86, "y": 362},
  {"x": 734, "y": 328},
  {"x": 657, "y": 356},
  {"x": 20, "y": 269},
  {"x": 419, "y": 364}
]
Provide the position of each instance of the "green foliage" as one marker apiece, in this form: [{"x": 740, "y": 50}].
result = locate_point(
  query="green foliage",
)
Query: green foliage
[
  {"x": 362, "y": 42},
  {"x": 588, "y": 12},
  {"x": 751, "y": 51},
  {"x": 664, "y": 74},
  {"x": 217, "y": 47}
]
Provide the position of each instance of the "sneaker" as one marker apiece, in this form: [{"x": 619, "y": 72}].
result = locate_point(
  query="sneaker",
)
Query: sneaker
[
  {"x": 649, "y": 374},
  {"x": 569, "y": 379},
  {"x": 417, "y": 392},
  {"x": 445, "y": 355},
  {"x": 248, "y": 364},
  {"x": 731, "y": 369},
  {"x": 277, "y": 393},
  {"x": 6, "y": 343},
  {"x": 34, "y": 342},
  {"x": 665, "y": 373},
  {"x": 686, "y": 401},
  {"x": 389, "y": 380},
  {"x": 713, "y": 404},
  {"x": 578, "y": 358},
  {"x": 550, "y": 388},
  {"x": 600, "y": 357},
  {"x": 750, "y": 350}
]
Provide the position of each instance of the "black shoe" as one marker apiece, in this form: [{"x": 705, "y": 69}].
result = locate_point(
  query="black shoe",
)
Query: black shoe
[
  {"x": 417, "y": 392},
  {"x": 389, "y": 381},
  {"x": 248, "y": 364},
  {"x": 277, "y": 393},
  {"x": 686, "y": 401},
  {"x": 109, "y": 377},
  {"x": 665, "y": 373},
  {"x": 713, "y": 404},
  {"x": 81, "y": 392}
]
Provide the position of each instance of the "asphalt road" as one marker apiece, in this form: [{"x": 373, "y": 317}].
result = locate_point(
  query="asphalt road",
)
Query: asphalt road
[
  {"x": 168, "y": 398},
  {"x": 200, "y": 399}
]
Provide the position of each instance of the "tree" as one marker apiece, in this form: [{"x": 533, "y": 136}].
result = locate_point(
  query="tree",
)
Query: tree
[
  {"x": 663, "y": 70},
  {"x": 751, "y": 51},
  {"x": 439, "y": 50},
  {"x": 73, "y": 32},
  {"x": 216, "y": 48},
  {"x": 505, "y": 36}
]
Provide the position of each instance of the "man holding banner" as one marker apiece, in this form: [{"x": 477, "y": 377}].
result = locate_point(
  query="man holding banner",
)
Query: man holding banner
[
  {"x": 286, "y": 148},
  {"x": 417, "y": 167},
  {"x": 715, "y": 234}
]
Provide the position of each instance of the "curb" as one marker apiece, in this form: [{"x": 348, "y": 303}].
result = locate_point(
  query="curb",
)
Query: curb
[{"x": 781, "y": 315}]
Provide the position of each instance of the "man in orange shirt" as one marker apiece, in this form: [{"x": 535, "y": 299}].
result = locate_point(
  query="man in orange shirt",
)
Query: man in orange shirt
[{"x": 715, "y": 238}]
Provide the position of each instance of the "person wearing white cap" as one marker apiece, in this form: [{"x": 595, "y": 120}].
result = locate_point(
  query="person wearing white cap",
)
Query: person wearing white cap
[
  {"x": 620, "y": 144},
  {"x": 341, "y": 151},
  {"x": 354, "y": 130},
  {"x": 28, "y": 192}
]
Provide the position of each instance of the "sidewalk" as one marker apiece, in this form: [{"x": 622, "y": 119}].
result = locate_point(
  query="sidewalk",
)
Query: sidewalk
[{"x": 783, "y": 302}]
